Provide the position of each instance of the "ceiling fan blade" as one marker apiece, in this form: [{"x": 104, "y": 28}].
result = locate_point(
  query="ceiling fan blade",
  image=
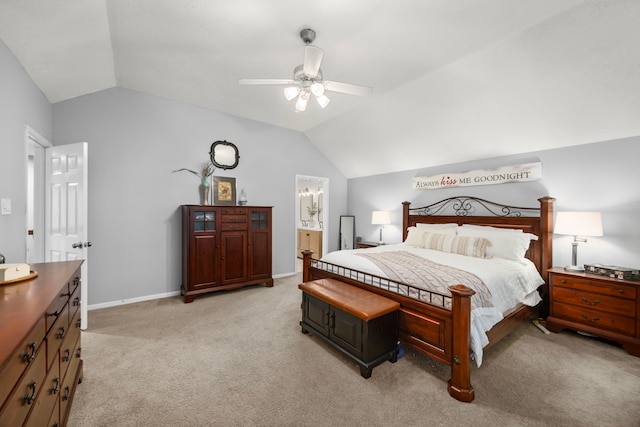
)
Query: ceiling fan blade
[
  {"x": 348, "y": 88},
  {"x": 266, "y": 81},
  {"x": 312, "y": 60}
]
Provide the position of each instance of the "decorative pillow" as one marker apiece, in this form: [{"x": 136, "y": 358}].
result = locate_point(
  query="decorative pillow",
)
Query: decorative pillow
[
  {"x": 462, "y": 245},
  {"x": 415, "y": 237},
  {"x": 505, "y": 243}
]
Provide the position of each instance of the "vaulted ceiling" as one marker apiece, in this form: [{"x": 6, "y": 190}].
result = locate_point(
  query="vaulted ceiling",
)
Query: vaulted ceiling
[{"x": 453, "y": 80}]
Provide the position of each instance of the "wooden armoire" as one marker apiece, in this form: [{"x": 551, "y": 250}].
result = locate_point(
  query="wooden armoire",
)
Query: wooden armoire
[{"x": 225, "y": 247}]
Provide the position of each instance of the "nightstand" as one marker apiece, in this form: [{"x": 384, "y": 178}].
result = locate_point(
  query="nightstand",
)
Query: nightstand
[
  {"x": 362, "y": 245},
  {"x": 598, "y": 305}
]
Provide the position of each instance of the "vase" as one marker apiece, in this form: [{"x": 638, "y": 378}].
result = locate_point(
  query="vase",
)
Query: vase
[{"x": 205, "y": 188}]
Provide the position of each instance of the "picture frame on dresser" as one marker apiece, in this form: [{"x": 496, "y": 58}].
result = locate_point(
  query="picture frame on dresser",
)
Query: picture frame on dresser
[{"x": 223, "y": 191}]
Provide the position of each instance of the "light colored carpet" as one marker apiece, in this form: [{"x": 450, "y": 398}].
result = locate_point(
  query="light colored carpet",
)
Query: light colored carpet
[{"x": 239, "y": 359}]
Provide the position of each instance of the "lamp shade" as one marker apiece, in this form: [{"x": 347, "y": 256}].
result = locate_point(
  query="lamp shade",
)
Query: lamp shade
[
  {"x": 578, "y": 223},
  {"x": 380, "y": 218}
]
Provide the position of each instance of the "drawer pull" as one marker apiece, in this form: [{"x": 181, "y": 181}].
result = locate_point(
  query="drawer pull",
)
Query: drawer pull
[
  {"x": 28, "y": 399},
  {"x": 67, "y": 355},
  {"x": 79, "y": 352},
  {"x": 76, "y": 301},
  {"x": 595, "y": 302},
  {"x": 56, "y": 386},
  {"x": 29, "y": 356},
  {"x": 60, "y": 333},
  {"x": 595, "y": 319},
  {"x": 67, "y": 394}
]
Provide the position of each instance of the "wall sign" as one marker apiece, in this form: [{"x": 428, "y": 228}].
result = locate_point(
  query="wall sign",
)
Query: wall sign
[{"x": 517, "y": 173}]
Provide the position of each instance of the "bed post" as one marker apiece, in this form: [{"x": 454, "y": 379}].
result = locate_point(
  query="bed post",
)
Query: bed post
[
  {"x": 546, "y": 231},
  {"x": 460, "y": 386},
  {"x": 405, "y": 219},
  {"x": 306, "y": 264}
]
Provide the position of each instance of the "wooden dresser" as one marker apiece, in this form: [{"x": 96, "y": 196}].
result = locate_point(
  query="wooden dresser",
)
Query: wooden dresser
[
  {"x": 40, "y": 354},
  {"x": 225, "y": 247},
  {"x": 598, "y": 305}
]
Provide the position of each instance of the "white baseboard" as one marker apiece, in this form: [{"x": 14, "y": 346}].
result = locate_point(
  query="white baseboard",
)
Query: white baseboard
[
  {"x": 132, "y": 300},
  {"x": 156, "y": 296}
]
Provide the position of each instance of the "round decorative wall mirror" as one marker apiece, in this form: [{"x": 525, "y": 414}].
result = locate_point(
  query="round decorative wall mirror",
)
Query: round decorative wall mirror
[{"x": 224, "y": 155}]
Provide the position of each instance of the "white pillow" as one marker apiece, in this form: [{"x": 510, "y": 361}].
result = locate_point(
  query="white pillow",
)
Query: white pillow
[
  {"x": 415, "y": 237},
  {"x": 489, "y": 229},
  {"x": 447, "y": 228},
  {"x": 505, "y": 243},
  {"x": 462, "y": 245}
]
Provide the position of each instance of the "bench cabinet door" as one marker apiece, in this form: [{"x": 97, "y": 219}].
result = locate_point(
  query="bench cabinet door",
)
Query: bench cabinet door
[
  {"x": 346, "y": 331},
  {"x": 315, "y": 313}
]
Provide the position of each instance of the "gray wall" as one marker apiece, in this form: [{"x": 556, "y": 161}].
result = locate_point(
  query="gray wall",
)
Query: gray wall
[
  {"x": 21, "y": 104},
  {"x": 135, "y": 142},
  {"x": 600, "y": 176}
]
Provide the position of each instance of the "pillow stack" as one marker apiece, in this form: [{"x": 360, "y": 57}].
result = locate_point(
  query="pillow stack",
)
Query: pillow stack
[{"x": 471, "y": 240}]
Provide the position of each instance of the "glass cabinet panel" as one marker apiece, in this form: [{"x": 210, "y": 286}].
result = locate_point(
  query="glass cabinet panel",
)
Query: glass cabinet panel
[{"x": 204, "y": 221}]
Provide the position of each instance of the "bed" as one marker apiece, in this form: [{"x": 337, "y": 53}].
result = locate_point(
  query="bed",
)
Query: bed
[{"x": 439, "y": 324}]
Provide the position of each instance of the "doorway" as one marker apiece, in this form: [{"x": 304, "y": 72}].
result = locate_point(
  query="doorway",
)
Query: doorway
[
  {"x": 311, "y": 216},
  {"x": 35, "y": 221}
]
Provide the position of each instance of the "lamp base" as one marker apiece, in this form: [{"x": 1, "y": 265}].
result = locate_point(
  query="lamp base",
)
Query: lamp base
[{"x": 574, "y": 268}]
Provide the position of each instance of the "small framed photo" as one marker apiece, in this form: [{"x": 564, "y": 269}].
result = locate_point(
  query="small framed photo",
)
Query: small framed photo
[{"x": 224, "y": 191}]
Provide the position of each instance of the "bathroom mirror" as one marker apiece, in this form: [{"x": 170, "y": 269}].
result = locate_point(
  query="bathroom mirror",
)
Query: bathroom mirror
[
  {"x": 224, "y": 155},
  {"x": 306, "y": 201},
  {"x": 347, "y": 232},
  {"x": 320, "y": 201}
]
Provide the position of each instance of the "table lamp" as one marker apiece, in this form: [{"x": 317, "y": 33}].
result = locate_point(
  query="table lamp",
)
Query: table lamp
[
  {"x": 380, "y": 218},
  {"x": 579, "y": 225}
]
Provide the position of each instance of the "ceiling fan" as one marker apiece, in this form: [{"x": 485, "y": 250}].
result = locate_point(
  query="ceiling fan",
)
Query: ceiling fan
[{"x": 308, "y": 78}]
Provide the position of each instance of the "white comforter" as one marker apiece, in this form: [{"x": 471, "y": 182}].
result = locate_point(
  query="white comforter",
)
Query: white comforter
[{"x": 510, "y": 283}]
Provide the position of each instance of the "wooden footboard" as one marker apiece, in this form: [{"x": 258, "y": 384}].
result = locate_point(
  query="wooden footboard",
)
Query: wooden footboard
[{"x": 428, "y": 328}]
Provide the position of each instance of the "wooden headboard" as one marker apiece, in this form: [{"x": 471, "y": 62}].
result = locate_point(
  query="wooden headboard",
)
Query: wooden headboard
[{"x": 473, "y": 210}]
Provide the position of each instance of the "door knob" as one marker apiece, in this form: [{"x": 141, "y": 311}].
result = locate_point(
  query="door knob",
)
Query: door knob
[
  {"x": 87, "y": 244},
  {"x": 77, "y": 245}
]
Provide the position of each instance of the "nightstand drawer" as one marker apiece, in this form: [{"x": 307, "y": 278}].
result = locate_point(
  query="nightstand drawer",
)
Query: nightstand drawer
[
  {"x": 596, "y": 319},
  {"x": 594, "y": 301},
  {"x": 608, "y": 287}
]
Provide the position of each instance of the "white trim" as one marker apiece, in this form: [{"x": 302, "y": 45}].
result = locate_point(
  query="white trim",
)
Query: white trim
[
  {"x": 155, "y": 296},
  {"x": 132, "y": 300}
]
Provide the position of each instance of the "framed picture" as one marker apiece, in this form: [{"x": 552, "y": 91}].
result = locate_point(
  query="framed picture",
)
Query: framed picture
[{"x": 224, "y": 190}]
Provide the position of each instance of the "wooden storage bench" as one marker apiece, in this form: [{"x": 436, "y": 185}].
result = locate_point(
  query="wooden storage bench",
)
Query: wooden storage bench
[{"x": 361, "y": 324}]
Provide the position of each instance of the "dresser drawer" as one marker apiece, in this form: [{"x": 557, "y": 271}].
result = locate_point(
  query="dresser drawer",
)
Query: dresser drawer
[
  {"x": 594, "y": 301},
  {"x": 595, "y": 319},
  {"x": 234, "y": 226},
  {"x": 74, "y": 301},
  {"x": 69, "y": 383},
  {"x": 56, "y": 335},
  {"x": 21, "y": 359},
  {"x": 69, "y": 343},
  {"x": 55, "y": 308},
  {"x": 25, "y": 394},
  {"x": 234, "y": 210},
  {"x": 48, "y": 397},
  {"x": 608, "y": 287}
]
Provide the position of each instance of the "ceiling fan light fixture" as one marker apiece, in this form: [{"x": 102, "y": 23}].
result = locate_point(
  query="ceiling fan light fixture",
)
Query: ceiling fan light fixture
[
  {"x": 317, "y": 89},
  {"x": 323, "y": 100},
  {"x": 291, "y": 92},
  {"x": 301, "y": 104}
]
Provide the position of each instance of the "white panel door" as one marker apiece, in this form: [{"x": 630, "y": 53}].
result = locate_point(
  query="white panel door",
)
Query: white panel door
[{"x": 66, "y": 200}]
